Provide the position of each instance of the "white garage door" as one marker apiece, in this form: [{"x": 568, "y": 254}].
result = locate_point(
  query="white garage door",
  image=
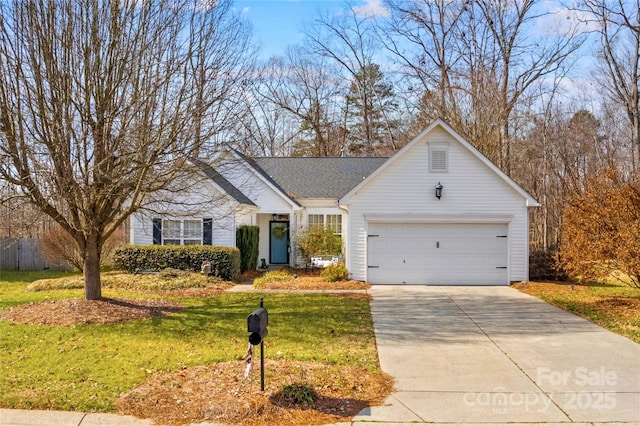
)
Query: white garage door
[{"x": 438, "y": 254}]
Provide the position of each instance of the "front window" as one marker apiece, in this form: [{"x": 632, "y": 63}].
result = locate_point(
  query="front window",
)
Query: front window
[
  {"x": 192, "y": 232},
  {"x": 316, "y": 220},
  {"x": 330, "y": 221},
  {"x": 181, "y": 232},
  {"x": 334, "y": 222},
  {"x": 171, "y": 231}
]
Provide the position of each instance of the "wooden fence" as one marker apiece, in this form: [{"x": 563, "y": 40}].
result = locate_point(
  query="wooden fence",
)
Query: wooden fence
[{"x": 24, "y": 255}]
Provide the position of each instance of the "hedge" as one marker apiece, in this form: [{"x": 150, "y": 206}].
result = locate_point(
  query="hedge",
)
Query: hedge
[{"x": 225, "y": 261}]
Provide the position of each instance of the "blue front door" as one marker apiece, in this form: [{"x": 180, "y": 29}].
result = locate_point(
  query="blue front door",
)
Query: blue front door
[{"x": 278, "y": 242}]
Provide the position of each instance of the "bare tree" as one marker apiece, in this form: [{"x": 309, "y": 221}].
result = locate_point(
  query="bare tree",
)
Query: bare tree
[
  {"x": 423, "y": 36},
  {"x": 476, "y": 61},
  {"x": 100, "y": 102},
  {"x": 306, "y": 86},
  {"x": 262, "y": 128},
  {"x": 521, "y": 59},
  {"x": 349, "y": 41},
  {"x": 618, "y": 27}
]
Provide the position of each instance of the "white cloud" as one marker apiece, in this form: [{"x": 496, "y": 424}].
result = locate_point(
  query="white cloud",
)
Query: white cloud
[
  {"x": 371, "y": 9},
  {"x": 558, "y": 19}
]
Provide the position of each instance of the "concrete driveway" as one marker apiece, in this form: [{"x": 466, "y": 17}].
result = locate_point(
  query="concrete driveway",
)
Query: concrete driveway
[{"x": 494, "y": 355}]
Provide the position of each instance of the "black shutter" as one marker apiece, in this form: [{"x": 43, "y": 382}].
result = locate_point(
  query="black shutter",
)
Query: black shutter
[
  {"x": 207, "y": 231},
  {"x": 157, "y": 231}
]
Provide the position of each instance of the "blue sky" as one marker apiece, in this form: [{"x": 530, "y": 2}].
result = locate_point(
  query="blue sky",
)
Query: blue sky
[{"x": 279, "y": 23}]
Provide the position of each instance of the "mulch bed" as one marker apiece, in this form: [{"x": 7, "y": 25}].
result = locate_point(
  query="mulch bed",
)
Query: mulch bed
[
  {"x": 70, "y": 312},
  {"x": 220, "y": 393}
]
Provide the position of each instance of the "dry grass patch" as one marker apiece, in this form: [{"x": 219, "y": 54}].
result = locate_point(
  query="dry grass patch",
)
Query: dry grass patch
[{"x": 221, "y": 393}]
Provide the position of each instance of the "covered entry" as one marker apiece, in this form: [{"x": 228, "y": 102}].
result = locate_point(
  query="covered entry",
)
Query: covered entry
[{"x": 437, "y": 253}]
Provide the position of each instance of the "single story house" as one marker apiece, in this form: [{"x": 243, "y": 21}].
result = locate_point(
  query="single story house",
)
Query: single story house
[{"x": 437, "y": 212}]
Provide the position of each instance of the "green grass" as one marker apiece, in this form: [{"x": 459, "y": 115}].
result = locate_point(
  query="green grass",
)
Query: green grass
[
  {"x": 613, "y": 306},
  {"x": 86, "y": 367}
]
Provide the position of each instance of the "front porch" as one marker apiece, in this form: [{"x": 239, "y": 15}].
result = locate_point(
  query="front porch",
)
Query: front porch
[{"x": 276, "y": 244}]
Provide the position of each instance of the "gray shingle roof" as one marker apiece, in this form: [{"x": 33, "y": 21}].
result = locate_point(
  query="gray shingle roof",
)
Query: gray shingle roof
[
  {"x": 318, "y": 177},
  {"x": 222, "y": 182}
]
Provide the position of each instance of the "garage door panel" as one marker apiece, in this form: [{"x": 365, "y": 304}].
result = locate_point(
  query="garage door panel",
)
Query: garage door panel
[{"x": 437, "y": 253}]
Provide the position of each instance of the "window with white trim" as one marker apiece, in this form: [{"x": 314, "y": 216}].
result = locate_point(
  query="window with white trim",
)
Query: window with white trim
[
  {"x": 315, "y": 220},
  {"x": 191, "y": 232},
  {"x": 331, "y": 221},
  {"x": 334, "y": 222},
  {"x": 181, "y": 232}
]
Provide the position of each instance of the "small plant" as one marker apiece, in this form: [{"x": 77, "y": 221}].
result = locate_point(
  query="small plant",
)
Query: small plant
[
  {"x": 333, "y": 273},
  {"x": 299, "y": 394},
  {"x": 278, "y": 275},
  {"x": 170, "y": 273}
]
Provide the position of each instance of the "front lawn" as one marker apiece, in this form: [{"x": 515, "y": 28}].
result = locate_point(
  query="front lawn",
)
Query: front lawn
[
  {"x": 87, "y": 367},
  {"x": 615, "y": 307}
]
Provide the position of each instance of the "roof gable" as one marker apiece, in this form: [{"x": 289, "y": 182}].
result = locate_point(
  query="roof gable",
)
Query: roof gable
[
  {"x": 222, "y": 182},
  {"x": 529, "y": 200}
]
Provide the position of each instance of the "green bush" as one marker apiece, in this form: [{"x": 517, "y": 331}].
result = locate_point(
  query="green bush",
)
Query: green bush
[
  {"x": 247, "y": 240},
  {"x": 225, "y": 261},
  {"x": 316, "y": 241},
  {"x": 299, "y": 394},
  {"x": 333, "y": 273}
]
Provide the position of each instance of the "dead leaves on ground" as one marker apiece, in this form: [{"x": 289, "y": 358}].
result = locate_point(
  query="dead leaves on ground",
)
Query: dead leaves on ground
[
  {"x": 221, "y": 393},
  {"x": 71, "y": 312}
]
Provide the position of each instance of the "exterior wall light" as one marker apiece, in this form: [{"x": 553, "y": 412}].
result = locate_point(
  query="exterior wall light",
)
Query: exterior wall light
[{"x": 439, "y": 190}]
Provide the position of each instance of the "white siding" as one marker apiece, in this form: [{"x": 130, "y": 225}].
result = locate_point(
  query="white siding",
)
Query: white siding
[
  {"x": 256, "y": 189},
  {"x": 199, "y": 201},
  {"x": 470, "y": 189}
]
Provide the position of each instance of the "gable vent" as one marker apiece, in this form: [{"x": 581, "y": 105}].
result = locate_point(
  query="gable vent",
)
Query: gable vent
[{"x": 438, "y": 161}]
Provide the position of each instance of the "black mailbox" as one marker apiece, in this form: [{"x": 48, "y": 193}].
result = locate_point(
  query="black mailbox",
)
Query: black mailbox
[{"x": 257, "y": 322}]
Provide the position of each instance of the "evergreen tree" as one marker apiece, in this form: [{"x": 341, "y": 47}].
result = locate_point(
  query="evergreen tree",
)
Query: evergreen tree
[{"x": 371, "y": 113}]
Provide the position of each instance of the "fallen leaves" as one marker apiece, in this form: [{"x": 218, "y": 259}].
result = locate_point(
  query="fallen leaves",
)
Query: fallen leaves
[
  {"x": 221, "y": 393},
  {"x": 71, "y": 312}
]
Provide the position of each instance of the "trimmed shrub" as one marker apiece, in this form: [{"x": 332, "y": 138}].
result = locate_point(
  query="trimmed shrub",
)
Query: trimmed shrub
[
  {"x": 225, "y": 261},
  {"x": 333, "y": 273},
  {"x": 247, "y": 240}
]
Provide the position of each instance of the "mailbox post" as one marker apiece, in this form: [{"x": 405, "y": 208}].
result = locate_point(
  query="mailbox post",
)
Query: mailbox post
[{"x": 257, "y": 322}]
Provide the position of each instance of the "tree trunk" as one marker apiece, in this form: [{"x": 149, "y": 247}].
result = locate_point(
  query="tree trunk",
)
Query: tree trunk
[
  {"x": 92, "y": 286},
  {"x": 635, "y": 140}
]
